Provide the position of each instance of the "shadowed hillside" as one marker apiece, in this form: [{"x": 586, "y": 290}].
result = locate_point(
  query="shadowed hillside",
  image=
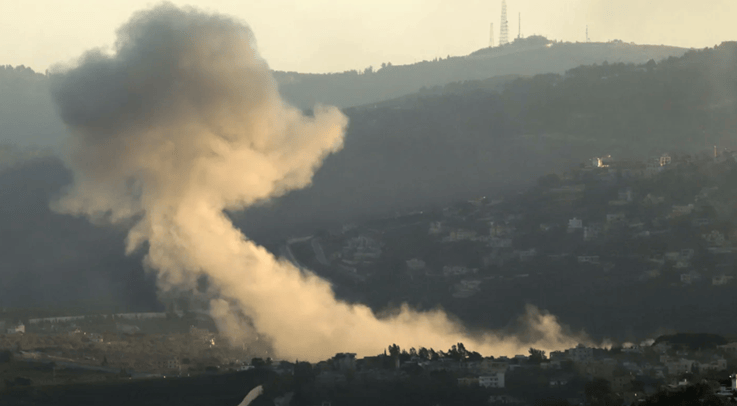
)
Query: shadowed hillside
[{"x": 442, "y": 146}]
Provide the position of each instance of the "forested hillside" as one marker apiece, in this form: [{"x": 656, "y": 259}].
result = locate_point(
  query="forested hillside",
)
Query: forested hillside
[
  {"x": 444, "y": 144},
  {"x": 438, "y": 146}
]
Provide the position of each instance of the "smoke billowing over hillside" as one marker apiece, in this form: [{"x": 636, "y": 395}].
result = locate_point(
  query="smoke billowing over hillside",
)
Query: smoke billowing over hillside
[{"x": 183, "y": 122}]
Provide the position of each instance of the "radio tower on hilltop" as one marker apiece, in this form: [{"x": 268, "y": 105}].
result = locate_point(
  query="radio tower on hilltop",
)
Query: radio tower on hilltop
[
  {"x": 519, "y": 27},
  {"x": 504, "y": 35},
  {"x": 491, "y": 36}
]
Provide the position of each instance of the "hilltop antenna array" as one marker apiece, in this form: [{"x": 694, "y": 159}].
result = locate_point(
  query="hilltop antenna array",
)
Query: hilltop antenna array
[
  {"x": 519, "y": 26},
  {"x": 504, "y": 35},
  {"x": 491, "y": 36}
]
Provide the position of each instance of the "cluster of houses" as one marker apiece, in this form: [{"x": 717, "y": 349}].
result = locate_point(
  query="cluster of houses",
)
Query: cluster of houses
[
  {"x": 7, "y": 327},
  {"x": 504, "y": 228},
  {"x": 634, "y": 372}
]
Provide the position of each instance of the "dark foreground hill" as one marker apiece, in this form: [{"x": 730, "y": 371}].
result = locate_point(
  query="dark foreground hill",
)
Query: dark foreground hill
[{"x": 225, "y": 389}]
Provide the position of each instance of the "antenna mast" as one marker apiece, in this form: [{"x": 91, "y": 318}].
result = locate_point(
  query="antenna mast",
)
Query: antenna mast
[
  {"x": 491, "y": 36},
  {"x": 519, "y": 26},
  {"x": 504, "y": 37},
  {"x": 587, "y": 34}
]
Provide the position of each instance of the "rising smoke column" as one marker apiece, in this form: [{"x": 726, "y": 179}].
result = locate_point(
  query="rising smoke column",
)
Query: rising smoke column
[{"x": 184, "y": 121}]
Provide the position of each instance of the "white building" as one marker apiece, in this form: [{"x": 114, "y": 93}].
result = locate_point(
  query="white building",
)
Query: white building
[
  {"x": 679, "y": 367},
  {"x": 581, "y": 353},
  {"x": 690, "y": 277},
  {"x": 460, "y": 235},
  {"x": 501, "y": 243},
  {"x": 140, "y": 316},
  {"x": 721, "y": 280},
  {"x": 625, "y": 194},
  {"x": 17, "y": 329},
  {"x": 590, "y": 259},
  {"x": 436, "y": 227},
  {"x": 494, "y": 380},
  {"x": 457, "y": 270},
  {"x": 466, "y": 288},
  {"x": 602, "y": 162},
  {"x": 590, "y": 233},
  {"x": 527, "y": 255},
  {"x": 615, "y": 217},
  {"x": 575, "y": 224},
  {"x": 682, "y": 210},
  {"x": 416, "y": 264}
]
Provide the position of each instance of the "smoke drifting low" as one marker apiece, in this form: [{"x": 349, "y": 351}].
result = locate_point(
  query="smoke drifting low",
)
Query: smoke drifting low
[{"x": 184, "y": 121}]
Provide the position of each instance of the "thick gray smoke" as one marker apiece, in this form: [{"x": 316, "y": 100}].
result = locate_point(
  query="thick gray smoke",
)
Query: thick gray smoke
[{"x": 184, "y": 121}]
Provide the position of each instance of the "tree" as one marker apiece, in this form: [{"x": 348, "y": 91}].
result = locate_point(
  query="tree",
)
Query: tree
[
  {"x": 454, "y": 353},
  {"x": 5, "y": 356},
  {"x": 423, "y": 353},
  {"x": 597, "y": 390},
  {"x": 475, "y": 357},
  {"x": 549, "y": 180},
  {"x": 462, "y": 352},
  {"x": 303, "y": 373},
  {"x": 394, "y": 350},
  {"x": 404, "y": 356},
  {"x": 537, "y": 356}
]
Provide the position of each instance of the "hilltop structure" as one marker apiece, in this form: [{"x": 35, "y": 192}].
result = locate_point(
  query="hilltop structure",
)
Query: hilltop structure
[{"x": 504, "y": 34}]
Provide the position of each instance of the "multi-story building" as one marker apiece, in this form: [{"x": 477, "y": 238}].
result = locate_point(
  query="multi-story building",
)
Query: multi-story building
[
  {"x": 581, "y": 353},
  {"x": 494, "y": 380}
]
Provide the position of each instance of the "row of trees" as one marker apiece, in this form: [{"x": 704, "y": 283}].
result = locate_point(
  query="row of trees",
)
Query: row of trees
[{"x": 456, "y": 352}]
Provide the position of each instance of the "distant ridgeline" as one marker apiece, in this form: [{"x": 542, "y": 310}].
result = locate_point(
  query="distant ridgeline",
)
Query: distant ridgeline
[
  {"x": 526, "y": 56},
  {"x": 690, "y": 99}
]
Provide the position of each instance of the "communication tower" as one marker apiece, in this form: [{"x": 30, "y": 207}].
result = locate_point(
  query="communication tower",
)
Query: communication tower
[
  {"x": 519, "y": 26},
  {"x": 587, "y": 34},
  {"x": 504, "y": 34},
  {"x": 491, "y": 36}
]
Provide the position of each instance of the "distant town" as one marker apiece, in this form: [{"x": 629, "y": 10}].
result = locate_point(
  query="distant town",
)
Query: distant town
[{"x": 664, "y": 219}]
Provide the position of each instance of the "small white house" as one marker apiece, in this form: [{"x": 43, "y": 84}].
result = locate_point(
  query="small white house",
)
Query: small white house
[
  {"x": 575, "y": 224},
  {"x": 17, "y": 329},
  {"x": 591, "y": 259},
  {"x": 494, "y": 380}
]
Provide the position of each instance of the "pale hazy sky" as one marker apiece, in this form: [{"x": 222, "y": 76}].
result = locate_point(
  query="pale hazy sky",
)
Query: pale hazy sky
[{"x": 338, "y": 35}]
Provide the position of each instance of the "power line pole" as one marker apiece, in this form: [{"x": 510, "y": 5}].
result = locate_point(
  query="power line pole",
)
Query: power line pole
[{"x": 504, "y": 37}]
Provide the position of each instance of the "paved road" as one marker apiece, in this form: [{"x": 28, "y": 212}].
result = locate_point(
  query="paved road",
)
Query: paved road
[
  {"x": 319, "y": 253},
  {"x": 289, "y": 255}
]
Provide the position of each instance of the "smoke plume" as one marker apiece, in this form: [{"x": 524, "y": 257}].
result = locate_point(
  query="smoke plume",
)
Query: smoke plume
[{"x": 183, "y": 121}]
